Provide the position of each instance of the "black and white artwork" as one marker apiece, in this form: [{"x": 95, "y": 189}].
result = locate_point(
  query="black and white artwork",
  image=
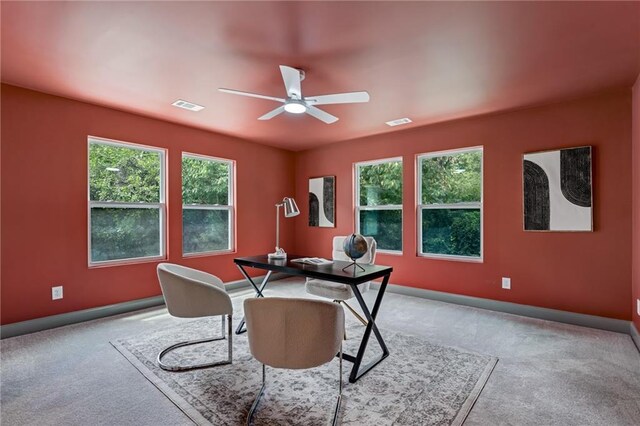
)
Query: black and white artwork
[
  {"x": 557, "y": 190},
  {"x": 322, "y": 201}
]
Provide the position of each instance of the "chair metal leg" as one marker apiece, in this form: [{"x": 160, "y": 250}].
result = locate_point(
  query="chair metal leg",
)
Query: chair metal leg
[
  {"x": 355, "y": 314},
  {"x": 230, "y": 334},
  {"x": 257, "y": 400},
  {"x": 254, "y": 406},
  {"x": 229, "y": 360},
  {"x": 339, "y": 400}
]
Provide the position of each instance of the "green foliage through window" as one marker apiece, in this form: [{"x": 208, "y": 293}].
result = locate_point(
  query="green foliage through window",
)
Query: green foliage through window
[
  {"x": 205, "y": 181},
  {"x": 125, "y": 196},
  {"x": 451, "y": 179},
  {"x": 123, "y": 174},
  {"x": 449, "y": 182},
  {"x": 380, "y": 185},
  {"x": 121, "y": 233},
  {"x": 451, "y": 231},
  {"x": 205, "y": 230},
  {"x": 385, "y": 226},
  {"x": 206, "y": 227}
]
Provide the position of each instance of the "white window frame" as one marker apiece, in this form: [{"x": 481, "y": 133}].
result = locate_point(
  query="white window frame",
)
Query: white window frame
[
  {"x": 358, "y": 208},
  {"x": 230, "y": 207},
  {"x": 161, "y": 205},
  {"x": 465, "y": 205}
]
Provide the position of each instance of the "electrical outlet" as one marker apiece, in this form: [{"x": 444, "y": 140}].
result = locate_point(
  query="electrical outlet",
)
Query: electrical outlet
[
  {"x": 56, "y": 292},
  {"x": 506, "y": 283}
]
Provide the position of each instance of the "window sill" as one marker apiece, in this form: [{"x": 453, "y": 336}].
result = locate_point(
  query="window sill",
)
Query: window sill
[
  {"x": 451, "y": 258},
  {"x": 389, "y": 252},
  {"x": 208, "y": 253},
  {"x": 125, "y": 262}
]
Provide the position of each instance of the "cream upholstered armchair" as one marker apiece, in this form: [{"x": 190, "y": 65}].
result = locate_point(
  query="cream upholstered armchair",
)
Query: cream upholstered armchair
[
  {"x": 294, "y": 334},
  {"x": 189, "y": 293},
  {"x": 340, "y": 293}
]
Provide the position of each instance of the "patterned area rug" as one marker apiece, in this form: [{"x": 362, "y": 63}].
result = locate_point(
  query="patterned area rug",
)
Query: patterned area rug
[{"x": 419, "y": 383}]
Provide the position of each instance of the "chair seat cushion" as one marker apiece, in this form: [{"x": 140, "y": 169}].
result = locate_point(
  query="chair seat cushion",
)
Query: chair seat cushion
[{"x": 333, "y": 290}]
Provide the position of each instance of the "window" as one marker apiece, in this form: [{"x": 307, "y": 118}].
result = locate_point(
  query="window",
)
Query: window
[
  {"x": 207, "y": 204},
  {"x": 379, "y": 202},
  {"x": 450, "y": 209},
  {"x": 126, "y": 202}
]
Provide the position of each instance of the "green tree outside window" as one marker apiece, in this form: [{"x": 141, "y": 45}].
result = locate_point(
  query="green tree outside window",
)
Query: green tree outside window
[
  {"x": 206, "y": 208},
  {"x": 451, "y": 203},
  {"x": 379, "y": 207},
  {"x": 126, "y": 200}
]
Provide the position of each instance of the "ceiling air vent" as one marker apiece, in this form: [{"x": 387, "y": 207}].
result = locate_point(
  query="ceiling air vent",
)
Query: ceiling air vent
[
  {"x": 398, "y": 122},
  {"x": 187, "y": 105}
]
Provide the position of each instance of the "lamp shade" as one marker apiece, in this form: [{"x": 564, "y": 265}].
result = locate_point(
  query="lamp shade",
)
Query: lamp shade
[{"x": 290, "y": 207}]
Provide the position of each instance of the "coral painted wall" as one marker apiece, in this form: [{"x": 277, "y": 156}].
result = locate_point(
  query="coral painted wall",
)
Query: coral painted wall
[
  {"x": 636, "y": 204},
  {"x": 44, "y": 202},
  {"x": 585, "y": 272}
]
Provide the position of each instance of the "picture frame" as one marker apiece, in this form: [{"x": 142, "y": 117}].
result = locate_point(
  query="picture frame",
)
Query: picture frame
[
  {"x": 322, "y": 202},
  {"x": 557, "y": 190}
]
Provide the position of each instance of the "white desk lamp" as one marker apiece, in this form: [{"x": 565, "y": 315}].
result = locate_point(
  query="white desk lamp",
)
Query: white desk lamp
[{"x": 290, "y": 210}]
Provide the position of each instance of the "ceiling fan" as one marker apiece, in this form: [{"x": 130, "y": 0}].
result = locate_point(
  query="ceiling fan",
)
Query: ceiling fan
[{"x": 295, "y": 103}]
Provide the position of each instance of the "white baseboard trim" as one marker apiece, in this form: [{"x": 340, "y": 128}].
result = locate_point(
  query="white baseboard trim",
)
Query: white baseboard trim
[
  {"x": 592, "y": 321},
  {"x": 635, "y": 335},
  {"x": 60, "y": 320}
]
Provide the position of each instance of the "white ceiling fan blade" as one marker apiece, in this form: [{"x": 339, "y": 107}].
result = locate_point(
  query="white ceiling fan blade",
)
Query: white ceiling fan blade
[
  {"x": 271, "y": 114},
  {"x": 291, "y": 78},
  {"x": 321, "y": 115},
  {"x": 339, "y": 98},
  {"x": 251, "y": 95}
]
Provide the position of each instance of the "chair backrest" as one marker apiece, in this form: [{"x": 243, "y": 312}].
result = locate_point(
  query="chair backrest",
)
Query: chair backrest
[
  {"x": 369, "y": 258},
  {"x": 293, "y": 333},
  {"x": 190, "y": 293}
]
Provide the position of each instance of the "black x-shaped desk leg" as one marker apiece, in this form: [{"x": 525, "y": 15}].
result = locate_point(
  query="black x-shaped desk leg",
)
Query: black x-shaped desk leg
[
  {"x": 358, "y": 370},
  {"x": 241, "y": 328}
]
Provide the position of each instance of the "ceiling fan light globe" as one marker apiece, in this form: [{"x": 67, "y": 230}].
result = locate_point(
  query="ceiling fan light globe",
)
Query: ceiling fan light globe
[{"x": 295, "y": 107}]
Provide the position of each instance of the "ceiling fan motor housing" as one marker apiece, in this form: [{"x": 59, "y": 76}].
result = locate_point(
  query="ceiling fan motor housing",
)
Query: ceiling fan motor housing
[{"x": 295, "y": 106}]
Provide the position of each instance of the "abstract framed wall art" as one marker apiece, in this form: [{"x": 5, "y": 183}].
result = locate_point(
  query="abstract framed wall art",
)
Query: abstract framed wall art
[
  {"x": 557, "y": 190},
  {"x": 322, "y": 201}
]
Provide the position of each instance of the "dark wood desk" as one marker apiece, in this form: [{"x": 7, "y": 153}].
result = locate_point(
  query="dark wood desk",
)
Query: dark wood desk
[{"x": 334, "y": 273}]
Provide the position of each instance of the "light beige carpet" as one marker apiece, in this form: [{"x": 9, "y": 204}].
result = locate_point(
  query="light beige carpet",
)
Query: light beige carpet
[{"x": 419, "y": 383}]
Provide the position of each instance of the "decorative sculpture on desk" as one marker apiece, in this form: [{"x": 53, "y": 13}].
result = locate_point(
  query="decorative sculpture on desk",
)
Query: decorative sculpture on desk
[{"x": 355, "y": 246}]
